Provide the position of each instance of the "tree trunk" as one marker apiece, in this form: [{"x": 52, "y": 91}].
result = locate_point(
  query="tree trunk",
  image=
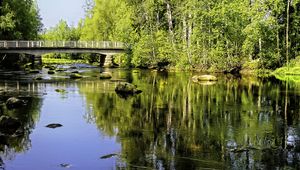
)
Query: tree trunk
[
  {"x": 169, "y": 18},
  {"x": 184, "y": 30},
  {"x": 278, "y": 48},
  {"x": 287, "y": 31},
  {"x": 189, "y": 37}
]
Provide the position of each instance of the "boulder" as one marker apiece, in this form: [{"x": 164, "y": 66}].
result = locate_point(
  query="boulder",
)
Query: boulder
[
  {"x": 13, "y": 103},
  {"x": 51, "y": 72},
  {"x": 127, "y": 88},
  {"x": 39, "y": 78},
  {"x": 204, "y": 78},
  {"x": 9, "y": 125},
  {"x": 75, "y": 76},
  {"x": 54, "y": 125},
  {"x": 105, "y": 75},
  {"x": 60, "y": 70}
]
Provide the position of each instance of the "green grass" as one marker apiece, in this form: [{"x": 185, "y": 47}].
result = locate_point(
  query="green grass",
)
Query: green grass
[{"x": 61, "y": 61}]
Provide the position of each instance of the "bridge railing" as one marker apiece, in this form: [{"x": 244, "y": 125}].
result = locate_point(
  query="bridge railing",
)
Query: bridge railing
[{"x": 62, "y": 44}]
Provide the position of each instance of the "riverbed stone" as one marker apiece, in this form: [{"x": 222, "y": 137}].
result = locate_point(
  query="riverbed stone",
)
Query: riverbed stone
[
  {"x": 39, "y": 78},
  {"x": 105, "y": 75},
  {"x": 127, "y": 88},
  {"x": 75, "y": 76},
  {"x": 51, "y": 72},
  {"x": 14, "y": 103},
  {"x": 9, "y": 125},
  {"x": 54, "y": 125},
  {"x": 198, "y": 78}
]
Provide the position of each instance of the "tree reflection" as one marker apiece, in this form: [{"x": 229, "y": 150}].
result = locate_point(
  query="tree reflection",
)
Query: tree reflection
[
  {"x": 19, "y": 142},
  {"x": 241, "y": 123}
]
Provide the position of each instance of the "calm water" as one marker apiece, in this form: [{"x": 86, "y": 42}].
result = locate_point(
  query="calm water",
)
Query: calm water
[{"x": 236, "y": 123}]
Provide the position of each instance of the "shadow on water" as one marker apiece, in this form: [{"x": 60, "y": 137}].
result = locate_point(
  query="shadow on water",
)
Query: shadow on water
[{"x": 236, "y": 123}]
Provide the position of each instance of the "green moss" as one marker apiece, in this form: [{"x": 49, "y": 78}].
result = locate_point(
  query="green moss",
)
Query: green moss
[{"x": 75, "y": 76}]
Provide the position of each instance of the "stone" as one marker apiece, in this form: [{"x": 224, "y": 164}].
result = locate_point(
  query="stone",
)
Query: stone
[
  {"x": 75, "y": 76},
  {"x": 34, "y": 71},
  {"x": 9, "y": 125},
  {"x": 65, "y": 165},
  {"x": 54, "y": 125},
  {"x": 105, "y": 75},
  {"x": 60, "y": 90},
  {"x": 52, "y": 68},
  {"x": 108, "y": 156},
  {"x": 51, "y": 72},
  {"x": 14, "y": 103},
  {"x": 197, "y": 78},
  {"x": 75, "y": 71},
  {"x": 127, "y": 88},
  {"x": 39, "y": 78}
]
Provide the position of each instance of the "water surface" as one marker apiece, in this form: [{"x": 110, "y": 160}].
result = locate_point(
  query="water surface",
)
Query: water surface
[{"x": 235, "y": 123}]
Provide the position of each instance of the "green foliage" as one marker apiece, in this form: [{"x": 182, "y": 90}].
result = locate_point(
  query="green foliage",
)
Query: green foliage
[
  {"x": 19, "y": 20},
  {"x": 63, "y": 32}
]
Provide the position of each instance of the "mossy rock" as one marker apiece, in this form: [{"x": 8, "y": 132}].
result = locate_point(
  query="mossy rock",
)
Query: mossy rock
[
  {"x": 51, "y": 72},
  {"x": 75, "y": 71},
  {"x": 60, "y": 90},
  {"x": 52, "y": 68},
  {"x": 75, "y": 76},
  {"x": 125, "y": 89},
  {"x": 9, "y": 125},
  {"x": 14, "y": 103},
  {"x": 105, "y": 75},
  {"x": 47, "y": 66},
  {"x": 39, "y": 78},
  {"x": 204, "y": 78}
]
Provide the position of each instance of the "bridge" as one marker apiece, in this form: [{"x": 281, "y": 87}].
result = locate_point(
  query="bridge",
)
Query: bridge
[{"x": 36, "y": 49}]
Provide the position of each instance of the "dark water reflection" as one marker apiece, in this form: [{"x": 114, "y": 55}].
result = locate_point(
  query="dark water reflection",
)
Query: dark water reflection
[{"x": 236, "y": 123}]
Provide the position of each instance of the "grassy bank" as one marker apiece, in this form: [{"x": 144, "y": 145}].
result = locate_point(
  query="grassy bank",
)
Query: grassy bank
[{"x": 61, "y": 61}]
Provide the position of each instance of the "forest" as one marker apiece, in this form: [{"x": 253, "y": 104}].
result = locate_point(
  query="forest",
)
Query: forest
[{"x": 218, "y": 36}]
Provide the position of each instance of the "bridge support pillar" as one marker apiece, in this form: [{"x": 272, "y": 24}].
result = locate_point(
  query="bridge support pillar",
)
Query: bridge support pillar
[
  {"x": 109, "y": 61},
  {"x": 36, "y": 60}
]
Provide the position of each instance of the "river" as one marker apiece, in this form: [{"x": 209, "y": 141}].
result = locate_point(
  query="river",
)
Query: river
[{"x": 237, "y": 122}]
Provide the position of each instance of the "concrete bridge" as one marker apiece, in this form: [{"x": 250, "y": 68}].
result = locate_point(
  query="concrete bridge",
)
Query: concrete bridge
[{"x": 36, "y": 49}]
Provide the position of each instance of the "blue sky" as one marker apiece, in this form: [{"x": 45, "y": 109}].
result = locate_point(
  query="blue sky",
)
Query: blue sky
[{"x": 52, "y": 11}]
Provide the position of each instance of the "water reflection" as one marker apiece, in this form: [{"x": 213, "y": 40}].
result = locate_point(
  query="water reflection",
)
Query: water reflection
[
  {"x": 241, "y": 123},
  {"x": 16, "y": 126}
]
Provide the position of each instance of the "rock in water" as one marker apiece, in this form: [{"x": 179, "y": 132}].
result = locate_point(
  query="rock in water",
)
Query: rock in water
[
  {"x": 9, "y": 125},
  {"x": 51, "y": 72},
  {"x": 60, "y": 90},
  {"x": 108, "y": 156},
  {"x": 13, "y": 103},
  {"x": 75, "y": 72},
  {"x": 75, "y": 76},
  {"x": 105, "y": 75},
  {"x": 127, "y": 88},
  {"x": 64, "y": 165},
  {"x": 204, "y": 78},
  {"x": 54, "y": 125}
]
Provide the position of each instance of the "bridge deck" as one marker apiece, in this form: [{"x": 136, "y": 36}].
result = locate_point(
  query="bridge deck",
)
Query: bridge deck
[{"x": 61, "y": 44}]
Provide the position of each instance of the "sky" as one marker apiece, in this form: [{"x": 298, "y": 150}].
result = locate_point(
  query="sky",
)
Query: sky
[{"x": 52, "y": 11}]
